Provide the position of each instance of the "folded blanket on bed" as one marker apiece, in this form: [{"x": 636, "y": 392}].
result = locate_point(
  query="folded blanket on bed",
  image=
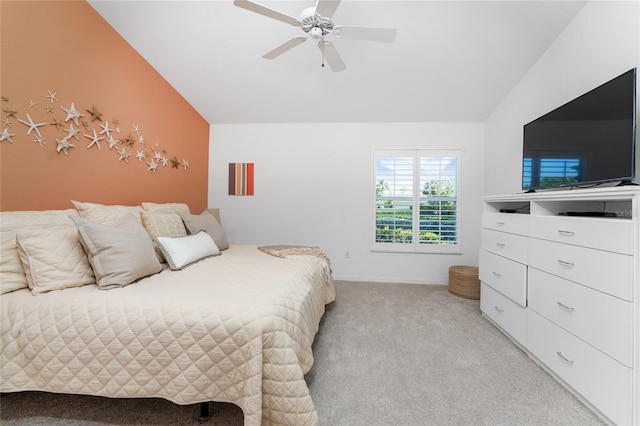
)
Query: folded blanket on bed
[{"x": 285, "y": 250}]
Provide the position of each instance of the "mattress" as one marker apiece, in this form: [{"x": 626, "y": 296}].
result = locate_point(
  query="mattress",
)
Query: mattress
[{"x": 233, "y": 328}]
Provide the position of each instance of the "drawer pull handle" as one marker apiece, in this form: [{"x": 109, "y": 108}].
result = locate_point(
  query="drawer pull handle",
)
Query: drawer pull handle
[
  {"x": 498, "y": 309},
  {"x": 564, "y": 358},
  {"x": 496, "y": 274},
  {"x": 567, "y": 233},
  {"x": 501, "y": 245},
  {"x": 565, "y": 263},
  {"x": 565, "y": 307},
  {"x": 500, "y": 223}
]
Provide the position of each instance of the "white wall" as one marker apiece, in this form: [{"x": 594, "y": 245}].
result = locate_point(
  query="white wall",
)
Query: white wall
[
  {"x": 313, "y": 187},
  {"x": 599, "y": 44}
]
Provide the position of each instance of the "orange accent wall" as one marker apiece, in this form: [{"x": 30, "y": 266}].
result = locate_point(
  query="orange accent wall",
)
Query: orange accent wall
[{"x": 67, "y": 48}]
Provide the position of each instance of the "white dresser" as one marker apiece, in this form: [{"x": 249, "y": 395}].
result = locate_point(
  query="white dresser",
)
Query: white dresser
[{"x": 565, "y": 288}]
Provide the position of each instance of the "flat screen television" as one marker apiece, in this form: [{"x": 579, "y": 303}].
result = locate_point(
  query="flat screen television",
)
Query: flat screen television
[{"x": 587, "y": 141}]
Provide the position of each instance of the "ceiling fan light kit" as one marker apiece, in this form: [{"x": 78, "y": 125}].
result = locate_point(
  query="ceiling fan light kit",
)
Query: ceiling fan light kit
[{"x": 317, "y": 23}]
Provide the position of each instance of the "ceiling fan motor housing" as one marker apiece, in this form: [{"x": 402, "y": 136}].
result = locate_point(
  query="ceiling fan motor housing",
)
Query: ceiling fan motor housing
[{"x": 314, "y": 24}]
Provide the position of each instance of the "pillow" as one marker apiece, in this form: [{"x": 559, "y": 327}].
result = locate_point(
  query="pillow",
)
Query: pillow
[
  {"x": 166, "y": 208},
  {"x": 207, "y": 223},
  {"x": 53, "y": 259},
  {"x": 119, "y": 254},
  {"x": 106, "y": 215},
  {"x": 162, "y": 225},
  {"x": 183, "y": 251},
  {"x": 12, "y": 275}
]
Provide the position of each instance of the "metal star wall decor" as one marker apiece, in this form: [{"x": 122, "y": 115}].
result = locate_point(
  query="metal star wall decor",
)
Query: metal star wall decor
[
  {"x": 10, "y": 112},
  {"x": 95, "y": 140},
  {"x": 153, "y": 153},
  {"x": 56, "y": 122},
  {"x": 51, "y": 96},
  {"x": 106, "y": 129},
  {"x": 124, "y": 155},
  {"x": 73, "y": 132},
  {"x": 64, "y": 145},
  {"x": 32, "y": 125},
  {"x": 39, "y": 140},
  {"x": 72, "y": 113},
  {"x": 95, "y": 114},
  {"x": 6, "y": 136}
]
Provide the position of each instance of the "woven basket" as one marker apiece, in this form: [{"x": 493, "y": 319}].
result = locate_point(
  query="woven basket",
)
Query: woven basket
[{"x": 464, "y": 282}]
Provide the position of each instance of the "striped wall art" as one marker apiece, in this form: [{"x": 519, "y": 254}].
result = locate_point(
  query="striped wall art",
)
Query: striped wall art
[{"x": 240, "y": 178}]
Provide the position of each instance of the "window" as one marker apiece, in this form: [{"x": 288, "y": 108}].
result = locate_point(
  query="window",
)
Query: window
[{"x": 417, "y": 205}]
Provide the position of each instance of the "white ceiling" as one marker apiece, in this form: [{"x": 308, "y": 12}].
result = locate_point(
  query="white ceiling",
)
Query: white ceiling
[{"x": 451, "y": 60}]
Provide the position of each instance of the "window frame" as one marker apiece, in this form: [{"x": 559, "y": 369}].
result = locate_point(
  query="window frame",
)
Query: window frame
[{"x": 415, "y": 246}]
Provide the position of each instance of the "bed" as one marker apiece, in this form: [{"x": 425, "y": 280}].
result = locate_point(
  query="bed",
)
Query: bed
[{"x": 237, "y": 327}]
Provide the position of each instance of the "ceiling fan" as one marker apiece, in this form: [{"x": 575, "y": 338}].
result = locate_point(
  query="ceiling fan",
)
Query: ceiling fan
[{"x": 316, "y": 23}]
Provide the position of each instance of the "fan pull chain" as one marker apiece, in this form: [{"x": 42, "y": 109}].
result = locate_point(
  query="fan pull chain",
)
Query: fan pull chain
[{"x": 323, "y": 51}]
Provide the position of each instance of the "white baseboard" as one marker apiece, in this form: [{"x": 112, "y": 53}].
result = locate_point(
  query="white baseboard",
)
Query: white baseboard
[{"x": 389, "y": 280}]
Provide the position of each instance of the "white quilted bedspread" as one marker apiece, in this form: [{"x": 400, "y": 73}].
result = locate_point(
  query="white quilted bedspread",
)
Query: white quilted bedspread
[{"x": 234, "y": 328}]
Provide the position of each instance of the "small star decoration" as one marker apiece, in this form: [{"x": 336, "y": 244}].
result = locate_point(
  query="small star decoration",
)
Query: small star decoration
[
  {"x": 95, "y": 114},
  {"x": 156, "y": 155},
  {"x": 10, "y": 112}
]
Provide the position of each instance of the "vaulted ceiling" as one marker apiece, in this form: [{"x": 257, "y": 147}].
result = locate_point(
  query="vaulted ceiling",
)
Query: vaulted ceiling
[{"x": 451, "y": 60}]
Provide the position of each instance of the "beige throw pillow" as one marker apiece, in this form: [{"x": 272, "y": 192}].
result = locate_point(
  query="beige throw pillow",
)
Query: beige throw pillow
[
  {"x": 105, "y": 214},
  {"x": 119, "y": 254},
  {"x": 166, "y": 207},
  {"x": 53, "y": 259},
  {"x": 163, "y": 225},
  {"x": 12, "y": 276},
  {"x": 207, "y": 223}
]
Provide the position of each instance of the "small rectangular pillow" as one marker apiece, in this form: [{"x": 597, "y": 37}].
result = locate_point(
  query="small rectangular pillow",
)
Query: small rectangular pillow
[
  {"x": 119, "y": 254},
  {"x": 207, "y": 223},
  {"x": 53, "y": 259},
  {"x": 183, "y": 251}
]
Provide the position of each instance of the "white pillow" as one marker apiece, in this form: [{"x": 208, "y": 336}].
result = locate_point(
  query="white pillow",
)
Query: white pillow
[{"x": 182, "y": 251}]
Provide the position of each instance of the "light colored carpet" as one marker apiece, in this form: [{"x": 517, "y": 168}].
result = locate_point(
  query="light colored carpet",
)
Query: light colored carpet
[{"x": 386, "y": 354}]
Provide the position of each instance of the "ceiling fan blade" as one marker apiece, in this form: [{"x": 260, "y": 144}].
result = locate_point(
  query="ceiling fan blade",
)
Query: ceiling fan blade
[
  {"x": 287, "y": 45},
  {"x": 385, "y": 35},
  {"x": 331, "y": 55},
  {"x": 263, "y": 10},
  {"x": 326, "y": 8}
]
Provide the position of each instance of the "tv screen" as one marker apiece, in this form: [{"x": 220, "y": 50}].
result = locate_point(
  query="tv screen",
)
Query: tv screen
[{"x": 589, "y": 140}]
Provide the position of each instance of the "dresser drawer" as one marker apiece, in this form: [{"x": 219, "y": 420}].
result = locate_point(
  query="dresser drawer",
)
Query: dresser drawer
[
  {"x": 604, "y": 382},
  {"x": 509, "y": 316},
  {"x": 614, "y": 235},
  {"x": 504, "y": 275},
  {"x": 511, "y": 246},
  {"x": 507, "y": 222},
  {"x": 611, "y": 273},
  {"x": 603, "y": 321}
]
